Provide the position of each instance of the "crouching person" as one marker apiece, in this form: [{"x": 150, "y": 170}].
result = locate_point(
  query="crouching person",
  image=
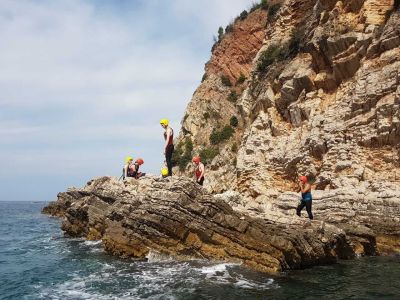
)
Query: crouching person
[{"x": 131, "y": 170}]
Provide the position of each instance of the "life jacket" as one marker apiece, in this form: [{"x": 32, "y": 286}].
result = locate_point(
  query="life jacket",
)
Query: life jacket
[
  {"x": 171, "y": 137},
  {"x": 306, "y": 196}
]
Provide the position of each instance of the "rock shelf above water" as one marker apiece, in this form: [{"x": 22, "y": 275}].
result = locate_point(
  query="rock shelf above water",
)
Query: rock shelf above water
[{"x": 177, "y": 217}]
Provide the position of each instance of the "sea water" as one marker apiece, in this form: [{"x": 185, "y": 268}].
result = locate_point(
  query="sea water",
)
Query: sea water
[{"x": 37, "y": 262}]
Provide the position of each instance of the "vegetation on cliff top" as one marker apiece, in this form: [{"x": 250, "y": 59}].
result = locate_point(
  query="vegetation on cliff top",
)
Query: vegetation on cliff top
[
  {"x": 182, "y": 154},
  {"x": 276, "y": 53}
]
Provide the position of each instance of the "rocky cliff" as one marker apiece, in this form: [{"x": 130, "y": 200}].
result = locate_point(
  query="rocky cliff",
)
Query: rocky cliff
[
  {"x": 320, "y": 97},
  {"x": 177, "y": 217},
  {"x": 295, "y": 87}
]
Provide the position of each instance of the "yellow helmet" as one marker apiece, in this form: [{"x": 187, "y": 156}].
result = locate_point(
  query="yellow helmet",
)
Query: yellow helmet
[
  {"x": 128, "y": 159},
  {"x": 164, "y": 122},
  {"x": 164, "y": 171}
]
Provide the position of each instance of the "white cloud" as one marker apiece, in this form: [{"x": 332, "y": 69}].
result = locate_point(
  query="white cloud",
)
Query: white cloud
[{"x": 89, "y": 80}]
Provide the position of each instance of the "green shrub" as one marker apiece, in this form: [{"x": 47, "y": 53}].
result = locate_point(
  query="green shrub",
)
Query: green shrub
[
  {"x": 264, "y": 4},
  {"x": 220, "y": 33},
  {"x": 229, "y": 28},
  {"x": 268, "y": 57},
  {"x": 217, "y": 137},
  {"x": 241, "y": 79},
  {"x": 272, "y": 11},
  {"x": 206, "y": 115},
  {"x": 254, "y": 6},
  {"x": 232, "y": 97},
  {"x": 189, "y": 145},
  {"x": 182, "y": 154},
  {"x": 234, "y": 148},
  {"x": 234, "y": 121},
  {"x": 296, "y": 42},
  {"x": 215, "y": 115},
  {"x": 243, "y": 15},
  {"x": 204, "y": 77},
  {"x": 225, "y": 80},
  {"x": 208, "y": 154}
]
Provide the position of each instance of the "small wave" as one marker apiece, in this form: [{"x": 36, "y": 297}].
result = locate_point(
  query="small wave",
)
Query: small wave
[
  {"x": 216, "y": 268},
  {"x": 153, "y": 257},
  {"x": 92, "y": 243}
]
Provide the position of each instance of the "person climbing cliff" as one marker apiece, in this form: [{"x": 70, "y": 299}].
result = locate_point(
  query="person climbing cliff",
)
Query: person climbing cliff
[
  {"x": 306, "y": 197},
  {"x": 199, "y": 170},
  {"x": 169, "y": 144}
]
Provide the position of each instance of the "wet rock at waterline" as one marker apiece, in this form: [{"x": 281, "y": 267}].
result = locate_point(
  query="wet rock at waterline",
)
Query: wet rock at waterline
[{"x": 177, "y": 217}]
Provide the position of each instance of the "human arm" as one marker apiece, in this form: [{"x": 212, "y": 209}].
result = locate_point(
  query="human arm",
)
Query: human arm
[{"x": 305, "y": 187}]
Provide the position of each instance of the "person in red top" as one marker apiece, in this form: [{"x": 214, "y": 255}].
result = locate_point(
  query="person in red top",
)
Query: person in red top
[{"x": 198, "y": 170}]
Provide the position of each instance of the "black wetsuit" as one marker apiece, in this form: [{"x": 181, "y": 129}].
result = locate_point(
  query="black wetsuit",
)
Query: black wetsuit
[
  {"x": 306, "y": 201},
  {"x": 168, "y": 151}
]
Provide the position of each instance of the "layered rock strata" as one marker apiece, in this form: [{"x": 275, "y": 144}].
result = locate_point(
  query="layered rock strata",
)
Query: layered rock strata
[
  {"x": 321, "y": 97},
  {"x": 177, "y": 217}
]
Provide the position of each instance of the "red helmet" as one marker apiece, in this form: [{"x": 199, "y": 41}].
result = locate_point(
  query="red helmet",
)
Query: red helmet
[
  {"x": 140, "y": 161},
  {"x": 196, "y": 159},
  {"x": 303, "y": 179}
]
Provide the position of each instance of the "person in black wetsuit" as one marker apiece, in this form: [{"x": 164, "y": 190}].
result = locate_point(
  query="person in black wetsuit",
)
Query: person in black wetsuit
[
  {"x": 306, "y": 197},
  {"x": 169, "y": 144}
]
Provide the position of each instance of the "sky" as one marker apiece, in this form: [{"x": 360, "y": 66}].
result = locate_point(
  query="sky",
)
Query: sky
[{"x": 84, "y": 83}]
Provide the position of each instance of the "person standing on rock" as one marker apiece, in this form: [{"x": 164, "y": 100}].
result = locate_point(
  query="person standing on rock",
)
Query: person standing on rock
[
  {"x": 306, "y": 197},
  {"x": 169, "y": 144},
  {"x": 198, "y": 170}
]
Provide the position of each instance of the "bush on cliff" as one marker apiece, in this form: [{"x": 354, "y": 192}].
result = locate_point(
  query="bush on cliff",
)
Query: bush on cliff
[
  {"x": 220, "y": 33},
  {"x": 234, "y": 121},
  {"x": 268, "y": 57},
  {"x": 217, "y": 137},
  {"x": 182, "y": 154},
  {"x": 226, "y": 81},
  {"x": 272, "y": 11},
  {"x": 229, "y": 28},
  {"x": 233, "y": 97},
  {"x": 243, "y": 15},
  {"x": 208, "y": 154},
  {"x": 241, "y": 79},
  {"x": 296, "y": 42},
  {"x": 264, "y": 4}
]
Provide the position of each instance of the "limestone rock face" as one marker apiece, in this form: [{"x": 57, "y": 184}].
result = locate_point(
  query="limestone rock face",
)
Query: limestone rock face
[
  {"x": 326, "y": 105},
  {"x": 177, "y": 217}
]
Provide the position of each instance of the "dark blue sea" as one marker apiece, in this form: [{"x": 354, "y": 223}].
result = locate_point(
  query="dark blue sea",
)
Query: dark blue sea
[{"x": 37, "y": 262}]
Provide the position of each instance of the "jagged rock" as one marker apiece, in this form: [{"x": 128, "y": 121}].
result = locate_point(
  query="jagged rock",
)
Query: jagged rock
[{"x": 175, "y": 216}]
